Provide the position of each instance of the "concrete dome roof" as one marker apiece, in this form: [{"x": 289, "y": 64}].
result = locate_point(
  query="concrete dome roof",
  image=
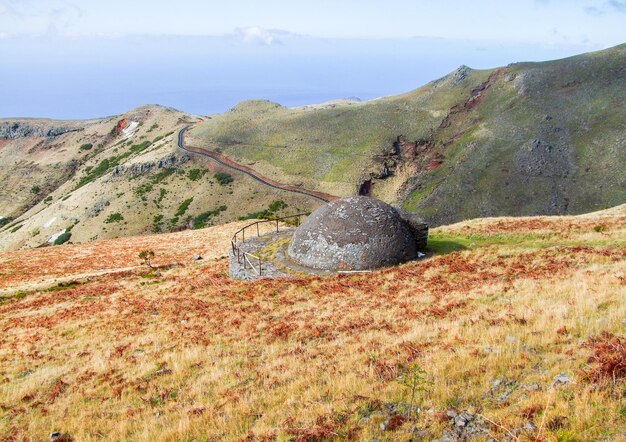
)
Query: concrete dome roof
[{"x": 354, "y": 233}]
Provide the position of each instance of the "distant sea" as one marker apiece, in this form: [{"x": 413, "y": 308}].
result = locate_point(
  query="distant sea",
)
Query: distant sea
[{"x": 80, "y": 78}]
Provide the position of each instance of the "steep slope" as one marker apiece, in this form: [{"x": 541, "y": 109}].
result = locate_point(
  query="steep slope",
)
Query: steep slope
[
  {"x": 118, "y": 176},
  {"x": 517, "y": 323},
  {"x": 529, "y": 138}
]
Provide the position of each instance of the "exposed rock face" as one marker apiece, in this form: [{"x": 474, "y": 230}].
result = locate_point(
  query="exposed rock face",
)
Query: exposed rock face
[
  {"x": 168, "y": 162},
  {"x": 11, "y": 130},
  {"x": 354, "y": 233}
]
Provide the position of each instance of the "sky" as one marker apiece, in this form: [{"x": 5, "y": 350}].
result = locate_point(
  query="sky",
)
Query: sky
[{"x": 89, "y": 58}]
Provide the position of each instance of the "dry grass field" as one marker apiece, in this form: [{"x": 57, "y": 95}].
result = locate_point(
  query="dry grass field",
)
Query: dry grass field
[{"x": 517, "y": 323}]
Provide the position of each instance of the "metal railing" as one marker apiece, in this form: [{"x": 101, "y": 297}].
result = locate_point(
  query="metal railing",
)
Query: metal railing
[{"x": 247, "y": 258}]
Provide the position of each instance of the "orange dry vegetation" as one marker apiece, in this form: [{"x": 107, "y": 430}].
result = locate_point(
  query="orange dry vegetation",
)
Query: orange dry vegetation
[{"x": 194, "y": 355}]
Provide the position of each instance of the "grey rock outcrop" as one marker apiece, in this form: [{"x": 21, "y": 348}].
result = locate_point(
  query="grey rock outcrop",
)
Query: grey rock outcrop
[
  {"x": 168, "y": 162},
  {"x": 354, "y": 233},
  {"x": 16, "y": 129}
]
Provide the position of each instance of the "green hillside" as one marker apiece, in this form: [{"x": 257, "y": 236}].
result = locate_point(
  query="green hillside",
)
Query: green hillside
[{"x": 529, "y": 138}]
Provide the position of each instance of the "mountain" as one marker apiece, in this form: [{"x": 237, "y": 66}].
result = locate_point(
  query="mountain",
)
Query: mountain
[
  {"x": 528, "y": 138},
  {"x": 78, "y": 181},
  {"x": 513, "y": 330},
  {"x": 525, "y": 139}
]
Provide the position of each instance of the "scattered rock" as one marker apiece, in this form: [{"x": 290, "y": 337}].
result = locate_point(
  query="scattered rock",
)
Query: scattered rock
[
  {"x": 465, "y": 426},
  {"x": 463, "y": 419},
  {"x": 196, "y": 257},
  {"x": 452, "y": 413},
  {"x": 117, "y": 170},
  {"x": 141, "y": 168},
  {"x": 532, "y": 387},
  {"x": 57, "y": 436},
  {"x": 460, "y": 74},
  {"x": 561, "y": 378},
  {"x": 530, "y": 427},
  {"x": 97, "y": 208},
  {"x": 501, "y": 389}
]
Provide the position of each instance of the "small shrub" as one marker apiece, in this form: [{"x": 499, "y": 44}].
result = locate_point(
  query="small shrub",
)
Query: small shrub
[
  {"x": 156, "y": 223},
  {"x": 154, "y": 126},
  {"x": 136, "y": 148},
  {"x": 63, "y": 238},
  {"x": 201, "y": 220},
  {"x": 414, "y": 380},
  {"x": 86, "y": 146},
  {"x": 223, "y": 178},
  {"x": 162, "y": 193},
  {"x": 114, "y": 218},
  {"x": 196, "y": 174},
  {"x": 277, "y": 205},
  {"x": 146, "y": 257},
  {"x": 143, "y": 189},
  {"x": 4, "y": 221},
  {"x": 182, "y": 208},
  {"x": 35, "y": 189},
  {"x": 608, "y": 359},
  {"x": 48, "y": 199},
  {"x": 16, "y": 228}
]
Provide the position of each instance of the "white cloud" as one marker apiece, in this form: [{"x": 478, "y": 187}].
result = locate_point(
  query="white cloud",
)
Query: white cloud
[{"x": 257, "y": 35}]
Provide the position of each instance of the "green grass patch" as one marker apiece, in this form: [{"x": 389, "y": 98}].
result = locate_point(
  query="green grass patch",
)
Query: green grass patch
[
  {"x": 182, "y": 208},
  {"x": 143, "y": 189},
  {"x": 86, "y": 146},
  {"x": 157, "y": 223},
  {"x": 114, "y": 218},
  {"x": 201, "y": 220},
  {"x": 16, "y": 228},
  {"x": 223, "y": 178},
  {"x": 196, "y": 174},
  {"x": 62, "y": 286},
  {"x": 269, "y": 213},
  {"x": 13, "y": 296},
  {"x": 48, "y": 199},
  {"x": 162, "y": 193}
]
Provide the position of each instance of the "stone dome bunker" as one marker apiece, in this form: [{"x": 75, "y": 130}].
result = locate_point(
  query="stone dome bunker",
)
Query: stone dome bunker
[{"x": 356, "y": 233}]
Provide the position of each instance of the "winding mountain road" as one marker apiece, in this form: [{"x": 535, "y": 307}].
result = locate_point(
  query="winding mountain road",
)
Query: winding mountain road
[{"x": 224, "y": 161}]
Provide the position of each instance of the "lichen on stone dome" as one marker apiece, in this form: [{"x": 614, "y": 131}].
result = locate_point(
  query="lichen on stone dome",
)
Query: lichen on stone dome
[{"x": 356, "y": 233}]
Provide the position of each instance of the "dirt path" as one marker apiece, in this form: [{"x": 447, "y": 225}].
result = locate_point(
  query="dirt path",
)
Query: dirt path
[{"x": 224, "y": 161}]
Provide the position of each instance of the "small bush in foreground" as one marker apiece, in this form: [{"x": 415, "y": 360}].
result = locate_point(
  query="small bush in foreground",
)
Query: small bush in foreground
[
  {"x": 86, "y": 146},
  {"x": 608, "y": 359},
  {"x": 146, "y": 257}
]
